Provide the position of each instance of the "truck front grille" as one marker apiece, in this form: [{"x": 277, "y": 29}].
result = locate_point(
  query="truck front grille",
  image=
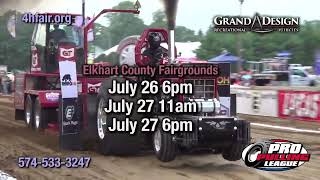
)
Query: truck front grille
[{"x": 202, "y": 88}]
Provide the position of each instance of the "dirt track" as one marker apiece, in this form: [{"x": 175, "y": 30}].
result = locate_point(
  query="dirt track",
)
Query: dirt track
[{"x": 16, "y": 140}]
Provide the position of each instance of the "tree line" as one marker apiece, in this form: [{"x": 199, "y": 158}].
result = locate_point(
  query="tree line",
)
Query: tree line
[
  {"x": 15, "y": 52},
  {"x": 302, "y": 45}
]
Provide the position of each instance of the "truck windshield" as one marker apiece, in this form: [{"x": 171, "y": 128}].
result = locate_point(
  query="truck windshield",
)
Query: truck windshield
[
  {"x": 68, "y": 33},
  {"x": 114, "y": 40},
  {"x": 310, "y": 71}
]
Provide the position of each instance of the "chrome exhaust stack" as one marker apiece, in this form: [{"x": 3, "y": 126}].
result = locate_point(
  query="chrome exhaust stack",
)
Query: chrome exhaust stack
[
  {"x": 172, "y": 53},
  {"x": 208, "y": 106},
  {"x": 171, "y": 7}
]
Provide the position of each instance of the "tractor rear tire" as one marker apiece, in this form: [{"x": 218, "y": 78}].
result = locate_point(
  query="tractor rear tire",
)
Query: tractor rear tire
[
  {"x": 29, "y": 111},
  {"x": 115, "y": 143},
  {"x": 126, "y": 50},
  {"x": 19, "y": 114},
  {"x": 234, "y": 152},
  {"x": 40, "y": 118},
  {"x": 164, "y": 146}
]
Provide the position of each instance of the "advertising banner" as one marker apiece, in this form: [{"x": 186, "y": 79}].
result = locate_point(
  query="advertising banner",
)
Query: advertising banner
[
  {"x": 68, "y": 108},
  {"x": 303, "y": 105},
  {"x": 68, "y": 72},
  {"x": 70, "y": 115},
  {"x": 35, "y": 63},
  {"x": 68, "y": 79},
  {"x": 225, "y": 106}
]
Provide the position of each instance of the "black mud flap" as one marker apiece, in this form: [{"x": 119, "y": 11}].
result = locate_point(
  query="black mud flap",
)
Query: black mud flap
[
  {"x": 91, "y": 134},
  {"x": 216, "y": 132},
  {"x": 243, "y": 133},
  {"x": 233, "y": 105},
  {"x": 70, "y": 119}
]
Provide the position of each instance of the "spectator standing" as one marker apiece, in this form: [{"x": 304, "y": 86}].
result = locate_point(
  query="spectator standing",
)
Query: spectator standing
[{"x": 5, "y": 81}]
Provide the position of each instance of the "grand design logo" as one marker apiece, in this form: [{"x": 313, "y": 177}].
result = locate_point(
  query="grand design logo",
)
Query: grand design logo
[{"x": 257, "y": 23}]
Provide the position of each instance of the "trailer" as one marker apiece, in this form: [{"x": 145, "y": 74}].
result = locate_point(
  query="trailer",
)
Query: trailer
[
  {"x": 45, "y": 99},
  {"x": 272, "y": 71}
]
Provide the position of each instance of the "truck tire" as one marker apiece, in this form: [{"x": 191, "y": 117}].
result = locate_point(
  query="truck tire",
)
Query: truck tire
[
  {"x": 29, "y": 111},
  {"x": 114, "y": 143},
  {"x": 261, "y": 82},
  {"x": 234, "y": 152},
  {"x": 312, "y": 83},
  {"x": 19, "y": 114},
  {"x": 164, "y": 146},
  {"x": 40, "y": 118}
]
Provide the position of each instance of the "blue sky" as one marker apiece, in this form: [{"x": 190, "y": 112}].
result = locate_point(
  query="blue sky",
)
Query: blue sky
[{"x": 196, "y": 14}]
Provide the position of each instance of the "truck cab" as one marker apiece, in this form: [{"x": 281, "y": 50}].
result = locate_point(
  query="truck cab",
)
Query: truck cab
[
  {"x": 300, "y": 77},
  {"x": 44, "y": 45}
]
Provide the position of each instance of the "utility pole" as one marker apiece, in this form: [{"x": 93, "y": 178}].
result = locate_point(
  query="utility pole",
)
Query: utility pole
[
  {"x": 83, "y": 11},
  {"x": 239, "y": 43}
]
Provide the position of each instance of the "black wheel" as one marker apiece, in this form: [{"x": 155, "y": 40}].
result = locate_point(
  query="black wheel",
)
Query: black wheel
[
  {"x": 312, "y": 83},
  {"x": 234, "y": 152},
  {"x": 29, "y": 111},
  {"x": 40, "y": 118},
  {"x": 217, "y": 151},
  {"x": 164, "y": 146},
  {"x": 19, "y": 114},
  {"x": 261, "y": 82},
  {"x": 114, "y": 143}
]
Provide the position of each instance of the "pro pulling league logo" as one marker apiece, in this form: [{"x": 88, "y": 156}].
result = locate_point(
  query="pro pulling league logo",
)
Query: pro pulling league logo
[
  {"x": 257, "y": 23},
  {"x": 275, "y": 155}
]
